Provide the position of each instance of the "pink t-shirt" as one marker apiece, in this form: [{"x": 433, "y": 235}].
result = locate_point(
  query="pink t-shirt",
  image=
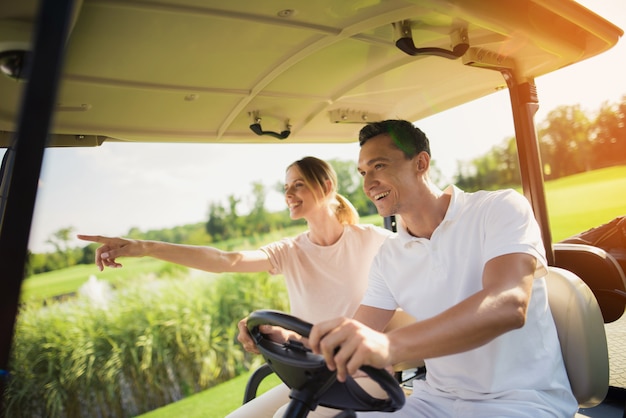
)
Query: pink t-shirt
[{"x": 325, "y": 282}]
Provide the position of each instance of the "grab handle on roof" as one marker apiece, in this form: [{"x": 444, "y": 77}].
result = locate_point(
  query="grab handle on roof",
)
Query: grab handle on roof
[
  {"x": 405, "y": 42},
  {"x": 257, "y": 129}
]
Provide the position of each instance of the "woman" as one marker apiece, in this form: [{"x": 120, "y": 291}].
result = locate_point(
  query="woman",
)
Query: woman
[{"x": 325, "y": 267}]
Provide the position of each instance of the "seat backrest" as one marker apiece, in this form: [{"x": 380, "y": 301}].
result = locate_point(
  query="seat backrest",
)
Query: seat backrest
[
  {"x": 600, "y": 271},
  {"x": 580, "y": 328}
]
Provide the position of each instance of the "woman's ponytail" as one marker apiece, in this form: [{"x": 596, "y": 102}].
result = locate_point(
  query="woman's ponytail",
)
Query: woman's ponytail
[{"x": 345, "y": 211}]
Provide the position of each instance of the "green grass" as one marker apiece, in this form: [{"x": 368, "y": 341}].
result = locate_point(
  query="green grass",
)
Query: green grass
[
  {"x": 60, "y": 282},
  {"x": 216, "y": 402},
  {"x": 582, "y": 201}
]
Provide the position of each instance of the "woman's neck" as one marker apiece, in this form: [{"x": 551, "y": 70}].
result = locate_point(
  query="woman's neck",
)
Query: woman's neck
[{"x": 325, "y": 231}]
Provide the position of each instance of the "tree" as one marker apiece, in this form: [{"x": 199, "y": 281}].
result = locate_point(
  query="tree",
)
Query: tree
[
  {"x": 498, "y": 168},
  {"x": 87, "y": 254},
  {"x": 216, "y": 225},
  {"x": 233, "y": 225},
  {"x": 60, "y": 240},
  {"x": 609, "y": 135},
  {"x": 507, "y": 163},
  {"x": 257, "y": 220},
  {"x": 565, "y": 141}
]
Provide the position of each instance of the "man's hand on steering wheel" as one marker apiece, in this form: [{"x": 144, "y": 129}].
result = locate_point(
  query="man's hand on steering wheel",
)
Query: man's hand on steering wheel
[{"x": 347, "y": 345}]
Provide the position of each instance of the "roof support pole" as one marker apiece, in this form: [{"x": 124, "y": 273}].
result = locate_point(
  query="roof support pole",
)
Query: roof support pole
[
  {"x": 524, "y": 104},
  {"x": 23, "y": 164}
]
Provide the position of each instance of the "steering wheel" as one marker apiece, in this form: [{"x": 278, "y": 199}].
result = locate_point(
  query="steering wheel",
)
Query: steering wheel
[{"x": 309, "y": 379}]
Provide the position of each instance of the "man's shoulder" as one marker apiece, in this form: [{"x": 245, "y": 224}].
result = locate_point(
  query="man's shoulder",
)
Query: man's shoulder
[
  {"x": 501, "y": 196},
  {"x": 494, "y": 204}
]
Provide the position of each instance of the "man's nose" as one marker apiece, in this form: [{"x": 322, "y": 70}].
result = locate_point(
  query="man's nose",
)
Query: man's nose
[{"x": 368, "y": 181}]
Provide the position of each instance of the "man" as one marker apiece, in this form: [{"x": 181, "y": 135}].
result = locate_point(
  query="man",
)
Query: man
[{"x": 470, "y": 268}]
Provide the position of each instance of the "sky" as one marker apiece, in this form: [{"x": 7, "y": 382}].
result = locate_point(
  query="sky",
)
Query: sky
[{"x": 109, "y": 189}]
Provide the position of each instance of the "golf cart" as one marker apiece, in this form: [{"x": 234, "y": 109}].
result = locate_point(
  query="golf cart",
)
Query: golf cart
[{"x": 84, "y": 73}]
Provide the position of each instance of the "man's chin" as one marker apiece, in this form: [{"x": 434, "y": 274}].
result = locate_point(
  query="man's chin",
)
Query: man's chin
[{"x": 383, "y": 212}]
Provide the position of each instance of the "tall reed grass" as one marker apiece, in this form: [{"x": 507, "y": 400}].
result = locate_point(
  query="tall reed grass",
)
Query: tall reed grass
[{"x": 125, "y": 352}]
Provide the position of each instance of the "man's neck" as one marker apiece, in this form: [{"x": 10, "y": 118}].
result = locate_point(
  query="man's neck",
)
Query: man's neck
[{"x": 423, "y": 221}]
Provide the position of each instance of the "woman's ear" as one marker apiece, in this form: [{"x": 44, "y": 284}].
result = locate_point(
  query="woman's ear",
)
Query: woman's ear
[{"x": 328, "y": 187}]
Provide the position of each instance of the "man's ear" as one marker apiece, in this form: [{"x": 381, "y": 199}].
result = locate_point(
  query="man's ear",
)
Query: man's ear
[{"x": 422, "y": 161}]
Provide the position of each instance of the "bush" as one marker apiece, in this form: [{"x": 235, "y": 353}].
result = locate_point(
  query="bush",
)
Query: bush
[{"x": 136, "y": 349}]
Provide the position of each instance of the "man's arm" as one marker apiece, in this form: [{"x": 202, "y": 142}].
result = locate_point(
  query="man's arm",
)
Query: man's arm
[
  {"x": 375, "y": 318},
  {"x": 498, "y": 308}
]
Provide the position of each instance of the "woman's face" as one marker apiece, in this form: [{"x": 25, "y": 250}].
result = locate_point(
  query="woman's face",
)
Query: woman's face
[{"x": 300, "y": 200}]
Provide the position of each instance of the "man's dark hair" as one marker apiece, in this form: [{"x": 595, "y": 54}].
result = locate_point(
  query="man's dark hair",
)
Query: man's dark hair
[{"x": 407, "y": 137}]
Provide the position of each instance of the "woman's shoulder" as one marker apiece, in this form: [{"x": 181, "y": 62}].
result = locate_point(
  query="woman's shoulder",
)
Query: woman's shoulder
[
  {"x": 288, "y": 241},
  {"x": 370, "y": 229}
]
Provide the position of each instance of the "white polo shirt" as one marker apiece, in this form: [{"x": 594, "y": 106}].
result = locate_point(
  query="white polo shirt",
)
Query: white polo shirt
[{"x": 427, "y": 276}]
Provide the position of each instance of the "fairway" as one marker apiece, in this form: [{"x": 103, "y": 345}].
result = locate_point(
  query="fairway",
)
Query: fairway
[
  {"x": 67, "y": 281},
  {"x": 582, "y": 201}
]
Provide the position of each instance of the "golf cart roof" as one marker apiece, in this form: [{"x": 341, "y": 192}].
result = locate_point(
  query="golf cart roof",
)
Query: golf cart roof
[
  {"x": 310, "y": 71},
  {"x": 292, "y": 71}
]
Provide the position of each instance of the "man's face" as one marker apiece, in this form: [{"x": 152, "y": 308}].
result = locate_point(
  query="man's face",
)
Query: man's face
[{"x": 388, "y": 177}]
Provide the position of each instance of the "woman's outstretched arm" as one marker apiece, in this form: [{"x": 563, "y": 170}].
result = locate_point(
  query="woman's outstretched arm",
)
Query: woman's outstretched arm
[{"x": 193, "y": 256}]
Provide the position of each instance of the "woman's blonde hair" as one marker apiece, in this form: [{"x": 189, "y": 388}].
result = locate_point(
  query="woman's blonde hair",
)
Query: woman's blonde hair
[{"x": 315, "y": 173}]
